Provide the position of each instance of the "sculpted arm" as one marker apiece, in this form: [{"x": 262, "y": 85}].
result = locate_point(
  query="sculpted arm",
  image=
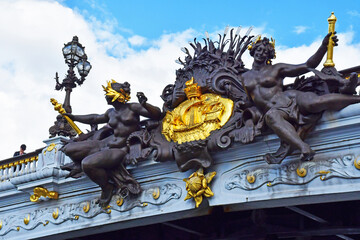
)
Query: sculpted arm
[
  {"x": 90, "y": 118},
  {"x": 289, "y": 70},
  {"x": 145, "y": 109}
]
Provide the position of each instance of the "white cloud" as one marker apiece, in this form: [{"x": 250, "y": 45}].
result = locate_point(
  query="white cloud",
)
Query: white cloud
[
  {"x": 354, "y": 13},
  {"x": 137, "y": 40},
  {"x": 345, "y": 55},
  {"x": 30, "y": 46},
  {"x": 31, "y": 38},
  {"x": 300, "y": 29}
]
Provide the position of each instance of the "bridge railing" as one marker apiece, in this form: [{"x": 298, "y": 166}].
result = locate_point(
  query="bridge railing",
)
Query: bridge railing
[{"x": 19, "y": 165}]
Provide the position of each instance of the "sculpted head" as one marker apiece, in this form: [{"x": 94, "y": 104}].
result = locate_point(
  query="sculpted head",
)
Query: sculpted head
[
  {"x": 119, "y": 92},
  {"x": 167, "y": 95},
  {"x": 263, "y": 50}
]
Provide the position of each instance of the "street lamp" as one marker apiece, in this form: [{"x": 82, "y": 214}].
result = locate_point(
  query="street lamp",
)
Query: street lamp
[
  {"x": 83, "y": 68},
  {"x": 74, "y": 55}
]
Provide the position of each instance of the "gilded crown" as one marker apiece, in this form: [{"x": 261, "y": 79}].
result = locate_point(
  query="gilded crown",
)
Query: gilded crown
[
  {"x": 121, "y": 96},
  {"x": 258, "y": 39},
  {"x": 192, "y": 89}
]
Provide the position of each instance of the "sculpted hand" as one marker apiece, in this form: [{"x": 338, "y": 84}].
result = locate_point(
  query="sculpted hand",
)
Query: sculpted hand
[
  {"x": 335, "y": 39},
  {"x": 325, "y": 42},
  {"x": 141, "y": 97},
  {"x": 69, "y": 115}
]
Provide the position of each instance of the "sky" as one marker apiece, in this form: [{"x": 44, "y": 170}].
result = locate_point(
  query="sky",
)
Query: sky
[{"x": 138, "y": 42}]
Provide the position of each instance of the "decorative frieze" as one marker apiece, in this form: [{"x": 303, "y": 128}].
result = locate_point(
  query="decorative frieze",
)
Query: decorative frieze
[
  {"x": 89, "y": 209},
  {"x": 254, "y": 176}
]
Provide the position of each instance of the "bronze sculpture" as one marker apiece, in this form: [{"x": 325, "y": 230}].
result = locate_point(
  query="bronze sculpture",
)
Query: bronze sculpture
[
  {"x": 103, "y": 158},
  {"x": 223, "y": 103},
  {"x": 285, "y": 112},
  {"x": 260, "y": 98}
]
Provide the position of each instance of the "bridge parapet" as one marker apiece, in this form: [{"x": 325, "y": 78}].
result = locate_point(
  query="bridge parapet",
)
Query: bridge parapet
[{"x": 243, "y": 181}]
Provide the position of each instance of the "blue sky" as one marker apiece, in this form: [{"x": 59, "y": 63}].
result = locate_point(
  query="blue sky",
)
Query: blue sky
[{"x": 291, "y": 23}]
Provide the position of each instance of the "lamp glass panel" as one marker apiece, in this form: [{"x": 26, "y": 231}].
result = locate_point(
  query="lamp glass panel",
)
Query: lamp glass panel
[
  {"x": 67, "y": 50},
  {"x": 79, "y": 51},
  {"x": 87, "y": 66}
]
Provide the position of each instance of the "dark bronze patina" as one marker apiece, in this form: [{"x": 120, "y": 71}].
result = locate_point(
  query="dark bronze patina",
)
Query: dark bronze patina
[
  {"x": 262, "y": 104},
  {"x": 103, "y": 154},
  {"x": 291, "y": 113}
]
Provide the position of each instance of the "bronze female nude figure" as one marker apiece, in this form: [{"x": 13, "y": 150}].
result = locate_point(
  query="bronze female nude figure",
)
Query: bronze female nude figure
[
  {"x": 282, "y": 110},
  {"x": 103, "y": 160}
]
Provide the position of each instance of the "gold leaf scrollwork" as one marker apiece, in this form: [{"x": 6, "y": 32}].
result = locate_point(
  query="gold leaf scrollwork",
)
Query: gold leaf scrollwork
[
  {"x": 120, "y": 202},
  {"x": 301, "y": 172},
  {"x": 357, "y": 163},
  {"x": 323, "y": 174},
  {"x": 27, "y": 219},
  {"x": 199, "y": 115},
  {"x": 43, "y": 192},
  {"x": 50, "y": 148},
  {"x": 107, "y": 209},
  {"x": 55, "y": 214},
  {"x": 156, "y": 193},
  {"x": 86, "y": 207},
  {"x": 250, "y": 178}
]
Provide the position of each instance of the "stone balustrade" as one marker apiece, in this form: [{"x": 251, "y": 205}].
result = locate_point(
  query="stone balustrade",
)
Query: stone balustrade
[{"x": 18, "y": 166}]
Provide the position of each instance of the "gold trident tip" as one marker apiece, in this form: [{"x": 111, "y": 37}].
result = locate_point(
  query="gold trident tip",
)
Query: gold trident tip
[{"x": 58, "y": 107}]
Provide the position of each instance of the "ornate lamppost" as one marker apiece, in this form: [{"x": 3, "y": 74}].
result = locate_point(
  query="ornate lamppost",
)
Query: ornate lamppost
[{"x": 74, "y": 54}]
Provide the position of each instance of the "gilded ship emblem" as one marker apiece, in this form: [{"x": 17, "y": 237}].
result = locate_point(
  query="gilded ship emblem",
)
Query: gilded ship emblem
[{"x": 195, "y": 118}]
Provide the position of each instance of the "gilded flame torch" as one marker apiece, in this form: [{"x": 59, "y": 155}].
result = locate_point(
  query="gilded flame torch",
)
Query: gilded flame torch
[
  {"x": 329, "y": 60},
  {"x": 58, "y": 107}
]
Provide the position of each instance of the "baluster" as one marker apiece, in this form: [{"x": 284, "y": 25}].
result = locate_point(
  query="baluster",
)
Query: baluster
[
  {"x": 11, "y": 170},
  {"x": 36, "y": 163},
  {"x": 27, "y": 162},
  {"x": 23, "y": 165},
  {"x": 17, "y": 169},
  {"x": 1, "y": 173},
  {"x": 29, "y": 167},
  {"x": 6, "y": 170},
  {"x": 33, "y": 164}
]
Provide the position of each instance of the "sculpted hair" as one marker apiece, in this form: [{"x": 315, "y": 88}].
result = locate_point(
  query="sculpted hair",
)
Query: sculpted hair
[
  {"x": 125, "y": 86},
  {"x": 265, "y": 42}
]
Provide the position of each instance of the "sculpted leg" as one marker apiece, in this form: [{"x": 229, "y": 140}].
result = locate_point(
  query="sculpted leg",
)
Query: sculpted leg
[
  {"x": 312, "y": 103},
  {"x": 77, "y": 151},
  {"x": 96, "y": 167},
  {"x": 275, "y": 119}
]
